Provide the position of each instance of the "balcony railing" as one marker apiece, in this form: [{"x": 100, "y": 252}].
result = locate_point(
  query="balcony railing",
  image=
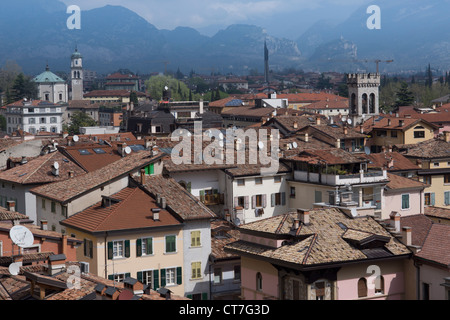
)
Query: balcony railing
[{"x": 342, "y": 179}]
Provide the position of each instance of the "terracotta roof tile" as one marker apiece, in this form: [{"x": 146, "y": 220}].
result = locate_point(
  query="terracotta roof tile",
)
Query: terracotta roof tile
[
  {"x": 437, "y": 245},
  {"x": 398, "y": 182},
  {"x": 393, "y": 161},
  {"x": 437, "y": 212},
  {"x": 420, "y": 226}
]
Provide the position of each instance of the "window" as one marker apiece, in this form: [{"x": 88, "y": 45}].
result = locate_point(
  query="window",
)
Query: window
[
  {"x": 64, "y": 211},
  {"x": 405, "y": 201},
  {"x": 362, "y": 288},
  {"x": 258, "y": 201},
  {"x": 53, "y": 120},
  {"x": 436, "y": 164},
  {"x": 237, "y": 272},
  {"x": 217, "y": 275},
  {"x": 42, "y": 120},
  {"x": 381, "y": 133},
  {"x": 425, "y": 291},
  {"x": 60, "y": 96},
  {"x": 119, "y": 277},
  {"x": 277, "y": 179},
  {"x": 196, "y": 268},
  {"x": 419, "y": 134},
  {"x": 146, "y": 277},
  {"x": 47, "y": 97},
  {"x": 278, "y": 199},
  {"x": 53, "y": 207},
  {"x": 171, "y": 244},
  {"x": 317, "y": 196},
  {"x": 393, "y": 134},
  {"x": 379, "y": 285},
  {"x": 43, "y": 203},
  {"x": 258, "y": 181},
  {"x": 118, "y": 249},
  {"x": 144, "y": 247},
  {"x": 259, "y": 281},
  {"x": 170, "y": 276},
  {"x": 447, "y": 198},
  {"x": 427, "y": 179},
  {"x": 241, "y": 182},
  {"x": 292, "y": 193},
  {"x": 446, "y": 178},
  {"x": 31, "y": 121},
  {"x": 195, "y": 239},
  {"x": 88, "y": 248},
  {"x": 320, "y": 290},
  {"x": 429, "y": 199}
]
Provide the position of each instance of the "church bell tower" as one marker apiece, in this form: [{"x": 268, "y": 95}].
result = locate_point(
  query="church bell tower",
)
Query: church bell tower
[{"x": 76, "y": 67}]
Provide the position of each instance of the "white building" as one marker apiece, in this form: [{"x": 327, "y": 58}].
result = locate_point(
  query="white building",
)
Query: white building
[
  {"x": 34, "y": 116},
  {"x": 51, "y": 87}
]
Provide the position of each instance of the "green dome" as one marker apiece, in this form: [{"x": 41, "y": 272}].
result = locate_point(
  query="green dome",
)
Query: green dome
[
  {"x": 76, "y": 54},
  {"x": 48, "y": 76}
]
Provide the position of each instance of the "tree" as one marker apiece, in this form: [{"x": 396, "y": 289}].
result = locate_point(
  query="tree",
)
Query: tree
[
  {"x": 79, "y": 119},
  {"x": 24, "y": 87},
  {"x": 429, "y": 81},
  {"x": 404, "y": 96},
  {"x": 134, "y": 98}
]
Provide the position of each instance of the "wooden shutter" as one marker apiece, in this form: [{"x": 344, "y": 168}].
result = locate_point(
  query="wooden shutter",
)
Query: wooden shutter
[
  {"x": 91, "y": 249},
  {"x": 85, "y": 247},
  {"x": 179, "y": 275},
  {"x": 155, "y": 279},
  {"x": 111, "y": 277},
  {"x": 204, "y": 295},
  {"x": 246, "y": 201},
  {"x": 127, "y": 275},
  {"x": 127, "y": 248},
  {"x": 362, "y": 288},
  {"x": 447, "y": 198},
  {"x": 264, "y": 200},
  {"x": 110, "y": 250},
  {"x": 236, "y": 201},
  {"x": 149, "y": 245},
  {"x": 188, "y": 187},
  {"x": 139, "y": 247},
  {"x": 272, "y": 199},
  {"x": 163, "y": 277},
  {"x": 202, "y": 195},
  {"x": 253, "y": 202},
  {"x": 283, "y": 198},
  {"x": 139, "y": 276},
  {"x": 432, "y": 199},
  {"x": 152, "y": 168}
]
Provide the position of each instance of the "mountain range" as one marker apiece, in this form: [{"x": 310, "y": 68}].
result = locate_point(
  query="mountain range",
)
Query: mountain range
[{"x": 34, "y": 32}]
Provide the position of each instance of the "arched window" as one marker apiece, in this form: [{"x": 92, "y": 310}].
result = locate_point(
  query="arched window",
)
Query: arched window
[
  {"x": 379, "y": 285},
  {"x": 364, "y": 103},
  {"x": 372, "y": 103},
  {"x": 259, "y": 281},
  {"x": 353, "y": 103},
  {"x": 362, "y": 288}
]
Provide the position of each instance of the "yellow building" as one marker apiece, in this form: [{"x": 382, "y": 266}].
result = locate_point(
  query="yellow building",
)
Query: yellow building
[
  {"x": 122, "y": 96},
  {"x": 391, "y": 131},
  {"x": 433, "y": 157},
  {"x": 129, "y": 234}
]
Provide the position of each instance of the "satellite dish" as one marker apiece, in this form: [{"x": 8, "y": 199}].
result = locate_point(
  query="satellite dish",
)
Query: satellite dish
[
  {"x": 76, "y": 138},
  {"x": 56, "y": 165},
  {"x": 349, "y": 121},
  {"x": 295, "y": 145},
  {"x": 237, "y": 221},
  {"x": 367, "y": 150},
  {"x": 221, "y": 136},
  {"x": 14, "y": 268},
  {"x": 21, "y": 236},
  {"x": 127, "y": 150},
  {"x": 344, "y": 119}
]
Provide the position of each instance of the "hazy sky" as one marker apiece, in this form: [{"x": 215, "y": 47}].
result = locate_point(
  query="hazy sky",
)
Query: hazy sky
[{"x": 288, "y": 18}]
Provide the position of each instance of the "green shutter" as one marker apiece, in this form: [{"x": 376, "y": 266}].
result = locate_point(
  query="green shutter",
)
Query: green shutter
[
  {"x": 189, "y": 296},
  {"x": 433, "y": 201},
  {"x": 189, "y": 188},
  {"x": 204, "y": 295},
  {"x": 110, "y": 250},
  {"x": 139, "y": 276},
  {"x": 447, "y": 198},
  {"x": 127, "y": 275},
  {"x": 111, "y": 277},
  {"x": 139, "y": 247},
  {"x": 155, "y": 279},
  {"x": 149, "y": 246},
  {"x": 152, "y": 168},
  {"x": 163, "y": 277},
  {"x": 127, "y": 248},
  {"x": 179, "y": 275}
]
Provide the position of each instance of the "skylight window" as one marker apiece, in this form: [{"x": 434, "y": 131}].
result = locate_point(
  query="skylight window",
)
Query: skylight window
[
  {"x": 137, "y": 147},
  {"x": 84, "y": 152},
  {"x": 99, "y": 151},
  {"x": 342, "y": 226}
]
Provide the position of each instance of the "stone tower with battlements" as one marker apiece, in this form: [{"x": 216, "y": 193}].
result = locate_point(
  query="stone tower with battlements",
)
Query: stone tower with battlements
[{"x": 363, "y": 95}]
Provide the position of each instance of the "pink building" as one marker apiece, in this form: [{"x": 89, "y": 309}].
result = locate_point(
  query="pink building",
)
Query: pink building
[{"x": 321, "y": 254}]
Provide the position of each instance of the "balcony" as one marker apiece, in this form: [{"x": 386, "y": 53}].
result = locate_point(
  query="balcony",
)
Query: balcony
[{"x": 341, "y": 179}]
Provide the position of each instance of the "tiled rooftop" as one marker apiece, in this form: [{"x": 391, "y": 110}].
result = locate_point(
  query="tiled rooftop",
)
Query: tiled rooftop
[
  {"x": 393, "y": 161},
  {"x": 429, "y": 149},
  {"x": 321, "y": 242},
  {"x": 397, "y": 182},
  {"x": 66, "y": 190},
  {"x": 437, "y": 245}
]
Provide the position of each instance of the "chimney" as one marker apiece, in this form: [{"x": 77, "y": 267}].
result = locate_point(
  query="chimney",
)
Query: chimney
[
  {"x": 401, "y": 123},
  {"x": 155, "y": 212},
  {"x": 121, "y": 149},
  {"x": 296, "y": 223},
  {"x": 303, "y": 216},
  {"x": 389, "y": 122},
  {"x": 142, "y": 176},
  {"x": 201, "y": 106},
  {"x": 44, "y": 225},
  {"x": 447, "y": 136},
  {"x": 345, "y": 130},
  {"x": 318, "y": 120},
  {"x": 11, "y": 205},
  {"x": 306, "y": 137},
  {"x": 228, "y": 217},
  {"x": 338, "y": 143},
  {"x": 148, "y": 143},
  {"x": 395, "y": 220},
  {"x": 158, "y": 199},
  {"x": 295, "y": 125},
  {"x": 397, "y": 115},
  {"x": 407, "y": 236},
  {"x": 70, "y": 173},
  {"x": 361, "y": 128},
  {"x": 163, "y": 203},
  {"x": 55, "y": 169},
  {"x": 24, "y": 160},
  {"x": 407, "y": 116},
  {"x": 64, "y": 244}
]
